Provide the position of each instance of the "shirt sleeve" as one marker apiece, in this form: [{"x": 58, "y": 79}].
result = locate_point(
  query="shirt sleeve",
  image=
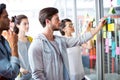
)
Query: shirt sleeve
[
  {"x": 9, "y": 68},
  {"x": 74, "y": 41},
  {"x": 35, "y": 60}
]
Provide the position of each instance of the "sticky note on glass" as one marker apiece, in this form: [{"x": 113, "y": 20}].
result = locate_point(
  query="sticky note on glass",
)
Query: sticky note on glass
[
  {"x": 111, "y": 27},
  {"x": 109, "y": 35},
  {"x": 107, "y": 42},
  {"x": 104, "y": 34},
  {"x": 118, "y": 32},
  {"x": 104, "y": 28},
  {"x": 112, "y": 10},
  {"x": 117, "y": 50},
  {"x": 107, "y": 49},
  {"x": 113, "y": 45},
  {"x": 113, "y": 53},
  {"x": 109, "y": 20},
  {"x": 118, "y": 2},
  {"x": 110, "y": 42},
  {"x": 95, "y": 37}
]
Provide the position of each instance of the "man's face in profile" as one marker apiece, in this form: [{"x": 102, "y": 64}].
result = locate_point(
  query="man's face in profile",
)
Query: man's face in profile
[{"x": 4, "y": 21}]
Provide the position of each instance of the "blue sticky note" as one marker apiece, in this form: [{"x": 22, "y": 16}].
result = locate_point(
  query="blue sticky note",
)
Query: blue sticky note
[
  {"x": 110, "y": 42},
  {"x": 118, "y": 2},
  {"x": 108, "y": 20},
  {"x": 113, "y": 53},
  {"x": 113, "y": 45},
  {"x": 109, "y": 35}
]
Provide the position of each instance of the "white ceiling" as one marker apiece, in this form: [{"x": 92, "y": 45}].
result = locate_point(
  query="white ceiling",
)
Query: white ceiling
[
  {"x": 27, "y": 4},
  {"x": 38, "y": 4}
]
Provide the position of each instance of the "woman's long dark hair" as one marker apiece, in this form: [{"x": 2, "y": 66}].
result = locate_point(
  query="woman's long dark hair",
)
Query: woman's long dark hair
[
  {"x": 17, "y": 20},
  {"x": 15, "y": 29}
]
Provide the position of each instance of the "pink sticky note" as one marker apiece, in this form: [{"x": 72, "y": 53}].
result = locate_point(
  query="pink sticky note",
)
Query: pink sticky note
[
  {"x": 107, "y": 49},
  {"x": 106, "y": 41},
  {"x": 117, "y": 50}
]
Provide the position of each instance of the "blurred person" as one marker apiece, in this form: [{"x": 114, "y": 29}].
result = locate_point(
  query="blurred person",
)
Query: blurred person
[
  {"x": 11, "y": 25},
  {"x": 74, "y": 54},
  {"x": 86, "y": 54},
  {"x": 22, "y": 23},
  {"x": 9, "y": 62},
  {"x": 67, "y": 28},
  {"x": 48, "y": 53}
]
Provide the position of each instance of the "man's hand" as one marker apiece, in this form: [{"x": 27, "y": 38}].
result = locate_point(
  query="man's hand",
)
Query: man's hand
[
  {"x": 23, "y": 71},
  {"x": 13, "y": 39}
]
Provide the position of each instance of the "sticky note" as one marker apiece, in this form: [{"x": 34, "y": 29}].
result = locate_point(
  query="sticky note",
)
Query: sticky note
[
  {"x": 95, "y": 37},
  {"x": 110, "y": 42},
  {"x": 112, "y": 10},
  {"x": 107, "y": 42},
  {"x": 107, "y": 49},
  {"x": 113, "y": 53},
  {"x": 111, "y": 27},
  {"x": 104, "y": 28},
  {"x": 104, "y": 34},
  {"x": 118, "y": 2},
  {"x": 113, "y": 45},
  {"x": 108, "y": 20},
  {"x": 109, "y": 35},
  {"x": 118, "y": 32},
  {"x": 117, "y": 50}
]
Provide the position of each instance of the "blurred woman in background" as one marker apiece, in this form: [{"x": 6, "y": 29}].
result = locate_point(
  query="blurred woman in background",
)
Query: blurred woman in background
[
  {"x": 74, "y": 54},
  {"x": 22, "y": 23}
]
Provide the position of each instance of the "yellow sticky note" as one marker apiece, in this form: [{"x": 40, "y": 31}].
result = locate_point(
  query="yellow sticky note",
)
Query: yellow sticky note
[
  {"x": 111, "y": 27},
  {"x": 95, "y": 37},
  {"x": 104, "y": 34},
  {"x": 104, "y": 28}
]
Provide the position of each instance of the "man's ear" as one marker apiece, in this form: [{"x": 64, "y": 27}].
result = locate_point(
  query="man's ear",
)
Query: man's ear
[{"x": 47, "y": 21}]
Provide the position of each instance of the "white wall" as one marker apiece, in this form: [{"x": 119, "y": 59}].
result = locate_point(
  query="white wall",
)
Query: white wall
[{"x": 31, "y": 9}]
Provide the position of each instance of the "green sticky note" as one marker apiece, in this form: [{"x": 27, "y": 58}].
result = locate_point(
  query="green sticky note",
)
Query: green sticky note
[{"x": 112, "y": 11}]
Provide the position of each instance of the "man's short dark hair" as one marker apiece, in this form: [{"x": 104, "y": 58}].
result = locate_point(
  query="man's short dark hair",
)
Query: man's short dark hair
[
  {"x": 47, "y": 13},
  {"x": 2, "y": 7}
]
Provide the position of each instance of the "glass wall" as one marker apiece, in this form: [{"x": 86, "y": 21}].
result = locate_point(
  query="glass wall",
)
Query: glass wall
[
  {"x": 111, "y": 40},
  {"x": 101, "y": 62},
  {"x": 83, "y": 14}
]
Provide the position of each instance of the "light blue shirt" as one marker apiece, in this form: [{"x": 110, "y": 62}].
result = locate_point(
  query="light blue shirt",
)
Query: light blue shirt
[
  {"x": 9, "y": 65},
  {"x": 45, "y": 59}
]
